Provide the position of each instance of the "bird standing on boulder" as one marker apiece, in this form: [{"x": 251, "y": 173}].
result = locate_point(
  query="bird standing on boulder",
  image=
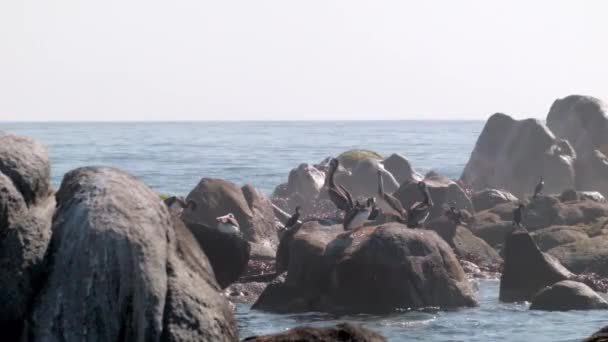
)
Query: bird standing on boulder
[
  {"x": 455, "y": 215},
  {"x": 393, "y": 203},
  {"x": 420, "y": 211},
  {"x": 228, "y": 224},
  {"x": 518, "y": 215},
  {"x": 374, "y": 211},
  {"x": 337, "y": 193},
  {"x": 356, "y": 216},
  {"x": 293, "y": 220},
  {"x": 539, "y": 188},
  {"x": 179, "y": 201}
]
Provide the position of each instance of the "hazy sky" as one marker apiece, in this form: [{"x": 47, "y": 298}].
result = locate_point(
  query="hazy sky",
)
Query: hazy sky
[{"x": 284, "y": 59}]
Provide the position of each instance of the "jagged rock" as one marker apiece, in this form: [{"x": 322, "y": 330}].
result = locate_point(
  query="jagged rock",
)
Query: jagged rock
[
  {"x": 401, "y": 168},
  {"x": 489, "y": 198},
  {"x": 583, "y": 122},
  {"x": 218, "y": 197},
  {"x": 121, "y": 268},
  {"x": 340, "y": 332},
  {"x": 512, "y": 155},
  {"x": 465, "y": 244},
  {"x": 306, "y": 181},
  {"x": 568, "y": 295},
  {"x": 334, "y": 271},
  {"x": 526, "y": 269},
  {"x": 444, "y": 193}
]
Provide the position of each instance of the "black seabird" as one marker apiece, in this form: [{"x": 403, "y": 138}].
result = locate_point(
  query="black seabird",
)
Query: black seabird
[
  {"x": 173, "y": 201},
  {"x": 455, "y": 215},
  {"x": 393, "y": 203},
  {"x": 419, "y": 212},
  {"x": 373, "y": 214},
  {"x": 518, "y": 215},
  {"x": 539, "y": 188},
  {"x": 293, "y": 220},
  {"x": 337, "y": 193}
]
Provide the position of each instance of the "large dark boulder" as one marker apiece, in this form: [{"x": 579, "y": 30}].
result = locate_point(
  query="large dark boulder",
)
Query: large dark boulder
[
  {"x": 526, "y": 269},
  {"x": 568, "y": 295},
  {"x": 26, "y": 211},
  {"x": 334, "y": 271},
  {"x": 600, "y": 336},
  {"x": 342, "y": 332},
  {"x": 512, "y": 155},
  {"x": 583, "y": 122},
  {"x": 228, "y": 253},
  {"x": 26, "y": 162},
  {"x": 444, "y": 193},
  {"x": 465, "y": 244},
  {"x": 489, "y": 198},
  {"x": 218, "y": 197},
  {"x": 121, "y": 268}
]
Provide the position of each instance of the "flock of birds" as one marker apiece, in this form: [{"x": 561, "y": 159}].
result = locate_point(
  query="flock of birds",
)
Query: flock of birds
[{"x": 356, "y": 214}]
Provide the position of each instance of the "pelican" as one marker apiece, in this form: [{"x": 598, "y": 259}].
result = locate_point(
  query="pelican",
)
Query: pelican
[
  {"x": 420, "y": 211},
  {"x": 356, "y": 216},
  {"x": 228, "y": 224},
  {"x": 539, "y": 188},
  {"x": 395, "y": 206},
  {"x": 337, "y": 193}
]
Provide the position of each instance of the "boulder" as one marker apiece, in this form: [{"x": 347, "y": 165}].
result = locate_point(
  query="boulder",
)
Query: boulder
[
  {"x": 227, "y": 253},
  {"x": 584, "y": 255},
  {"x": 340, "y": 332},
  {"x": 583, "y": 122},
  {"x": 353, "y": 157},
  {"x": 335, "y": 271},
  {"x": 493, "y": 226},
  {"x": 568, "y": 295},
  {"x": 489, "y": 198},
  {"x": 600, "y": 336},
  {"x": 305, "y": 180},
  {"x": 512, "y": 155},
  {"x": 26, "y": 162},
  {"x": 362, "y": 181},
  {"x": 465, "y": 244},
  {"x": 218, "y": 197},
  {"x": 554, "y": 236},
  {"x": 26, "y": 211},
  {"x": 526, "y": 269},
  {"x": 401, "y": 168},
  {"x": 444, "y": 193},
  {"x": 121, "y": 268}
]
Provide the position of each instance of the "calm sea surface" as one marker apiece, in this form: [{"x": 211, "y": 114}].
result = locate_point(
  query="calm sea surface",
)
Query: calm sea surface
[{"x": 173, "y": 157}]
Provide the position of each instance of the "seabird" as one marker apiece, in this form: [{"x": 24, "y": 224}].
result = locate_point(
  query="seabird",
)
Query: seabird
[
  {"x": 518, "y": 215},
  {"x": 419, "y": 212},
  {"x": 228, "y": 224},
  {"x": 356, "y": 216},
  {"x": 539, "y": 188},
  {"x": 455, "y": 215},
  {"x": 374, "y": 211},
  {"x": 171, "y": 202},
  {"x": 393, "y": 203},
  {"x": 337, "y": 193},
  {"x": 293, "y": 220}
]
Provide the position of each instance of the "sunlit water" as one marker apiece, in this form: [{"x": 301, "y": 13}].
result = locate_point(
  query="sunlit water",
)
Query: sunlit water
[{"x": 172, "y": 157}]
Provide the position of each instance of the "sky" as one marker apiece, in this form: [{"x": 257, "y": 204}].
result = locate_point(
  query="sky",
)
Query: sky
[{"x": 293, "y": 60}]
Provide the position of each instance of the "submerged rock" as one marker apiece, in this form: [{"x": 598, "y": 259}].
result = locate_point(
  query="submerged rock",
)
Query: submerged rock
[
  {"x": 335, "y": 271},
  {"x": 568, "y": 295},
  {"x": 512, "y": 155},
  {"x": 340, "y": 332},
  {"x": 122, "y": 268},
  {"x": 526, "y": 269}
]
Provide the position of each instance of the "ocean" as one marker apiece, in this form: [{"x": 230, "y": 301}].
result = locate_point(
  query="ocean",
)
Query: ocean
[{"x": 171, "y": 157}]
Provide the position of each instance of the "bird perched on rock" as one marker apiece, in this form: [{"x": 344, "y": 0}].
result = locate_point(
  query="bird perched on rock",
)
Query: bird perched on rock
[
  {"x": 518, "y": 215},
  {"x": 539, "y": 188},
  {"x": 455, "y": 215},
  {"x": 228, "y": 224},
  {"x": 420, "y": 211},
  {"x": 357, "y": 216},
  {"x": 341, "y": 198},
  {"x": 374, "y": 211},
  {"x": 178, "y": 201},
  {"x": 394, "y": 205},
  {"x": 293, "y": 220}
]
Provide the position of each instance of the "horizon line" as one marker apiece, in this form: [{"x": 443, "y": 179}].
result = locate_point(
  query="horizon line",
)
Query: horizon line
[{"x": 237, "y": 120}]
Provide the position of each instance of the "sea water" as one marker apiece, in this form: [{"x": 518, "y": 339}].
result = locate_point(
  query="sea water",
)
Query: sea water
[{"x": 172, "y": 157}]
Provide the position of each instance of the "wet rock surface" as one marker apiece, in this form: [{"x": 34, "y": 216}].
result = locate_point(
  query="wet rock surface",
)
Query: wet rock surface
[
  {"x": 568, "y": 295},
  {"x": 341, "y": 332}
]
